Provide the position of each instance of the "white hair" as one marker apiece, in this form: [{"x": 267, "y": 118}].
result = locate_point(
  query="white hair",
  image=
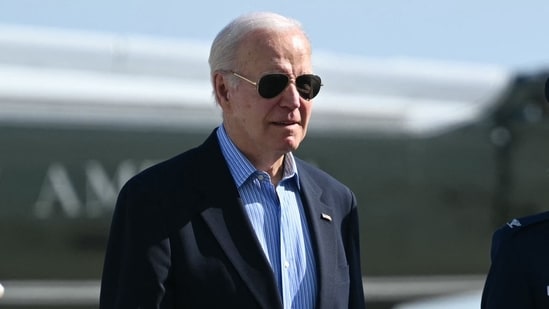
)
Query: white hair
[{"x": 225, "y": 45}]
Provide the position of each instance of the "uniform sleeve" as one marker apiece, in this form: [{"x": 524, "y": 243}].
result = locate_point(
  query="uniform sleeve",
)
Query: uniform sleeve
[
  {"x": 499, "y": 235},
  {"x": 506, "y": 284}
]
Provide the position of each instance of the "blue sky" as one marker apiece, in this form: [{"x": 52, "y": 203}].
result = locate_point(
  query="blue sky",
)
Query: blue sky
[{"x": 509, "y": 33}]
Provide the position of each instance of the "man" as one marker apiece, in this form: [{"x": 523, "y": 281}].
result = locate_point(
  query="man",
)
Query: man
[
  {"x": 239, "y": 222},
  {"x": 519, "y": 276}
]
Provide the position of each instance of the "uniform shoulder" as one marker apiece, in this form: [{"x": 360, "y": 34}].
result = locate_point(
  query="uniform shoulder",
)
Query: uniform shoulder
[
  {"x": 520, "y": 224},
  {"x": 517, "y": 227}
]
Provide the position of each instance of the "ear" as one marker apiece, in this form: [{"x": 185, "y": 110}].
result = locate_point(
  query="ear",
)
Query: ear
[{"x": 221, "y": 89}]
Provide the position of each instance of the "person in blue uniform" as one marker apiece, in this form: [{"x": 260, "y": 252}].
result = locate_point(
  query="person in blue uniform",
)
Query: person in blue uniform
[{"x": 519, "y": 275}]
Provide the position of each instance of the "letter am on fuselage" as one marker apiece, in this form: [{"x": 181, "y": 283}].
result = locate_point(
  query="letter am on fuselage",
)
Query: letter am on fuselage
[{"x": 60, "y": 195}]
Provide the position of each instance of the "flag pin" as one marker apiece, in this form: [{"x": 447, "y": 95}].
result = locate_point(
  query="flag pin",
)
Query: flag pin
[{"x": 326, "y": 217}]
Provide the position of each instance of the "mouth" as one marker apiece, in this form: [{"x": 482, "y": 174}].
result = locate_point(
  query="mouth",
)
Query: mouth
[{"x": 285, "y": 123}]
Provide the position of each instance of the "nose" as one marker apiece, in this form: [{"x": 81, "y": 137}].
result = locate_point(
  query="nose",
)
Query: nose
[{"x": 290, "y": 97}]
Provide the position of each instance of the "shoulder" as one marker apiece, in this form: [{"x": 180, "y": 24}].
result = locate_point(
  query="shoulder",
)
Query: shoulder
[
  {"x": 521, "y": 226},
  {"x": 520, "y": 231},
  {"x": 167, "y": 168},
  {"x": 318, "y": 182},
  {"x": 306, "y": 169},
  {"x": 184, "y": 167}
]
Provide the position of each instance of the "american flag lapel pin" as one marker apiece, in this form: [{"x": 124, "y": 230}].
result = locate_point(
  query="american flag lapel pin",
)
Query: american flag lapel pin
[{"x": 326, "y": 217}]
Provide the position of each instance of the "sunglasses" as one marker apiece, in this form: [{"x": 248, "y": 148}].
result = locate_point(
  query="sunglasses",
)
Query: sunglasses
[{"x": 271, "y": 85}]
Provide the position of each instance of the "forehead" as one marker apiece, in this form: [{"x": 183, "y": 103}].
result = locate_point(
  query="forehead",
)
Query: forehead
[{"x": 265, "y": 49}]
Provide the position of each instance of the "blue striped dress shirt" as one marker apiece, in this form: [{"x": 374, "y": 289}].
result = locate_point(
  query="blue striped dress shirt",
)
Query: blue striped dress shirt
[{"x": 278, "y": 219}]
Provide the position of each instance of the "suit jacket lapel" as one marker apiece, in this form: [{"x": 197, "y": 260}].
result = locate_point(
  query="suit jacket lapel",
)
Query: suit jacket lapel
[
  {"x": 226, "y": 218},
  {"x": 322, "y": 233}
]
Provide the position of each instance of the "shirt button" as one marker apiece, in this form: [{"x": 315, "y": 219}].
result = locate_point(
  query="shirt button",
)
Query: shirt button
[
  {"x": 286, "y": 264},
  {"x": 260, "y": 177}
]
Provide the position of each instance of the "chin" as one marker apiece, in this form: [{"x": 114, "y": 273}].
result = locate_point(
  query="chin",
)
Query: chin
[{"x": 291, "y": 144}]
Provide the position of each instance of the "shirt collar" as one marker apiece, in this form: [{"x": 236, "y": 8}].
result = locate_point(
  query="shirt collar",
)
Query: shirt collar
[{"x": 241, "y": 168}]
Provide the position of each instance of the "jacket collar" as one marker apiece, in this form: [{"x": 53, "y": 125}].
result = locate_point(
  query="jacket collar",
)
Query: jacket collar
[
  {"x": 226, "y": 218},
  {"x": 321, "y": 226}
]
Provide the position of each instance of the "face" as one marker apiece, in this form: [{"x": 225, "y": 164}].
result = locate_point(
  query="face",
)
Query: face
[{"x": 267, "y": 128}]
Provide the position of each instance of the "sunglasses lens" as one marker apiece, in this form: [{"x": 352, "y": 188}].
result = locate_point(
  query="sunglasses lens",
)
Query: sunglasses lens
[
  {"x": 271, "y": 85},
  {"x": 308, "y": 85}
]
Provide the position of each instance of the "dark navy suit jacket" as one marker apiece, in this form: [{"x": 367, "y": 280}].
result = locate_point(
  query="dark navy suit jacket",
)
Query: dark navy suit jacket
[
  {"x": 519, "y": 274},
  {"x": 180, "y": 238}
]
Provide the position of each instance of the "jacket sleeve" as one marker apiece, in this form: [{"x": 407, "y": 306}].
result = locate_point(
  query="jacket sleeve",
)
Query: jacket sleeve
[
  {"x": 137, "y": 259},
  {"x": 356, "y": 293}
]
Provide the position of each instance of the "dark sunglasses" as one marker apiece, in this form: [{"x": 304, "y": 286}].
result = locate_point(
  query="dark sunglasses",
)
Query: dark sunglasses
[{"x": 271, "y": 85}]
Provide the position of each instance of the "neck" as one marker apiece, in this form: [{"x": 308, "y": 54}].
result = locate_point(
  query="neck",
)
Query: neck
[{"x": 275, "y": 168}]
